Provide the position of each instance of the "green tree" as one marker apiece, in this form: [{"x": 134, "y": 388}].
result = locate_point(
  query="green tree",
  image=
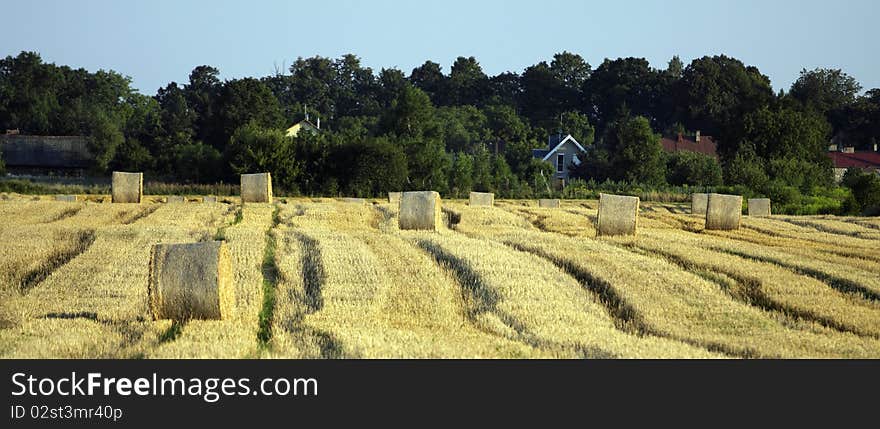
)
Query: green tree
[
  {"x": 467, "y": 84},
  {"x": 247, "y": 100},
  {"x": 202, "y": 93},
  {"x": 198, "y": 162},
  {"x": 825, "y": 90},
  {"x": 625, "y": 86},
  {"x": 370, "y": 168},
  {"x": 692, "y": 168},
  {"x": 865, "y": 189},
  {"x": 461, "y": 180},
  {"x": 429, "y": 78},
  {"x": 410, "y": 115},
  {"x": 746, "y": 168},
  {"x": 635, "y": 152},
  {"x": 715, "y": 94},
  {"x": 578, "y": 125},
  {"x": 253, "y": 148},
  {"x": 463, "y": 127}
]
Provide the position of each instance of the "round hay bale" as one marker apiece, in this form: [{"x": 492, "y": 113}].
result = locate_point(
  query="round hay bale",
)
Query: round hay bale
[
  {"x": 127, "y": 187},
  {"x": 759, "y": 207},
  {"x": 485, "y": 199},
  {"x": 420, "y": 210},
  {"x": 175, "y": 199},
  {"x": 394, "y": 197},
  {"x": 723, "y": 212},
  {"x": 618, "y": 215},
  {"x": 548, "y": 203},
  {"x": 256, "y": 188},
  {"x": 191, "y": 281},
  {"x": 699, "y": 202},
  {"x": 66, "y": 198}
]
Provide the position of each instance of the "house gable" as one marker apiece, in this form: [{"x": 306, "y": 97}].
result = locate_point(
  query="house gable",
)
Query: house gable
[{"x": 568, "y": 140}]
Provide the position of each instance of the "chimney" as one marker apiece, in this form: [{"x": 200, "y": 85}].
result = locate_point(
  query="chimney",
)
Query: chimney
[{"x": 697, "y": 138}]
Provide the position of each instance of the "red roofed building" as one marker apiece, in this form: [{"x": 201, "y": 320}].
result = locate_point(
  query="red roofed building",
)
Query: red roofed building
[
  {"x": 866, "y": 161},
  {"x": 700, "y": 144}
]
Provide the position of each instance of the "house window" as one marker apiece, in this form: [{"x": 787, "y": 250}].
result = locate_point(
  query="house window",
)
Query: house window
[{"x": 560, "y": 163}]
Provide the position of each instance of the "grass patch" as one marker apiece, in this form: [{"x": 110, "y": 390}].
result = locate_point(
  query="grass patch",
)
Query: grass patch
[{"x": 270, "y": 282}]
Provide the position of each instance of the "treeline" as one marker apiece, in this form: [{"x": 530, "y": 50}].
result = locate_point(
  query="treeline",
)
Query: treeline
[{"x": 454, "y": 132}]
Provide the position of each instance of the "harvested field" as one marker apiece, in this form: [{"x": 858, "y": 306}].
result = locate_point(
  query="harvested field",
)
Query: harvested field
[{"x": 324, "y": 278}]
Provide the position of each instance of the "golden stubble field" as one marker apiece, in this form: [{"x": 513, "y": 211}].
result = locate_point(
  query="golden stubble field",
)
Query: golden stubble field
[{"x": 320, "y": 278}]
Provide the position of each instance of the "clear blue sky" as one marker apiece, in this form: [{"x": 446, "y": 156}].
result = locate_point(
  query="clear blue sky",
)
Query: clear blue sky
[{"x": 156, "y": 42}]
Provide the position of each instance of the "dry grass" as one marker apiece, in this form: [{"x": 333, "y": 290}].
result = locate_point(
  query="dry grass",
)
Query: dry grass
[{"x": 325, "y": 279}]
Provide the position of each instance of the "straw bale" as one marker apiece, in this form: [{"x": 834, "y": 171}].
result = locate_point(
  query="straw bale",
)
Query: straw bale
[
  {"x": 175, "y": 199},
  {"x": 394, "y": 197},
  {"x": 548, "y": 203},
  {"x": 618, "y": 215},
  {"x": 191, "y": 281},
  {"x": 759, "y": 207},
  {"x": 256, "y": 188},
  {"x": 420, "y": 210},
  {"x": 723, "y": 212},
  {"x": 66, "y": 198},
  {"x": 127, "y": 187},
  {"x": 699, "y": 203},
  {"x": 481, "y": 199}
]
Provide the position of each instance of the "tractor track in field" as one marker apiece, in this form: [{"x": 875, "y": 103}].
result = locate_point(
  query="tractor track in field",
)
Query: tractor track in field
[
  {"x": 82, "y": 240},
  {"x": 748, "y": 290},
  {"x": 128, "y": 218},
  {"x": 66, "y": 213},
  {"x": 311, "y": 301},
  {"x": 840, "y": 284},
  {"x": 626, "y": 317},
  {"x": 484, "y": 299}
]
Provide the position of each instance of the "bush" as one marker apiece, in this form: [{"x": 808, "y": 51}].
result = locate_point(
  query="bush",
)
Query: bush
[
  {"x": 692, "y": 168},
  {"x": 865, "y": 189}
]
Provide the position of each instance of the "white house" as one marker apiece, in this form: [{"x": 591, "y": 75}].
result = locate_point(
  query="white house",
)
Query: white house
[{"x": 562, "y": 151}]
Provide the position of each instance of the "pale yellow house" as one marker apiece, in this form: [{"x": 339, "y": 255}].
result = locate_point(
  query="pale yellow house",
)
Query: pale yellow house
[{"x": 304, "y": 125}]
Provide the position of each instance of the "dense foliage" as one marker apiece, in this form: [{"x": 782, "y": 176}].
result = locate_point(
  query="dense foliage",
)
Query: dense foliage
[{"x": 453, "y": 132}]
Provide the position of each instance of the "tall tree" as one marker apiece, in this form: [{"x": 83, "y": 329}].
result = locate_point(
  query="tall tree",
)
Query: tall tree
[
  {"x": 429, "y": 78},
  {"x": 714, "y": 94},
  {"x": 201, "y": 96},
  {"x": 467, "y": 83}
]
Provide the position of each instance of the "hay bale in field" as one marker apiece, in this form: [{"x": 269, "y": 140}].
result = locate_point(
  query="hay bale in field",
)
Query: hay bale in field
[
  {"x": 127, "y": 187},
  {"x": 420, "y": 210},
  {"x": 699, "y": 202},
  {"x": 618, "y": 215},
  {"x": 723, "y": 212},
  {"x": 175, "y": 199},
  {"x": 481, "y": 199},
  {"x": 191, "y": 281},
  {"x": 759, "y": 207},
  {"x": 353, "y": 200},
  {"x": 548, "y": 203},
  {"x": 209, "y": 199},
  {"x": 66, "y": 198},
  {"x": 256, "y": 188},
  {"x": 394, "y": 197}
]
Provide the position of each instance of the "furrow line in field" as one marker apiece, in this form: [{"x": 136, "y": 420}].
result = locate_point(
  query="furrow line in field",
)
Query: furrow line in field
[
  {"x": 750, "y": 292},
  {"x": 625, "y": 316},
  {"x": 835, "y": 282},
  {"x": 66, "y": 213},
  {"x": 81, "y": 242},
  {"x": 483, "y": 299}
]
